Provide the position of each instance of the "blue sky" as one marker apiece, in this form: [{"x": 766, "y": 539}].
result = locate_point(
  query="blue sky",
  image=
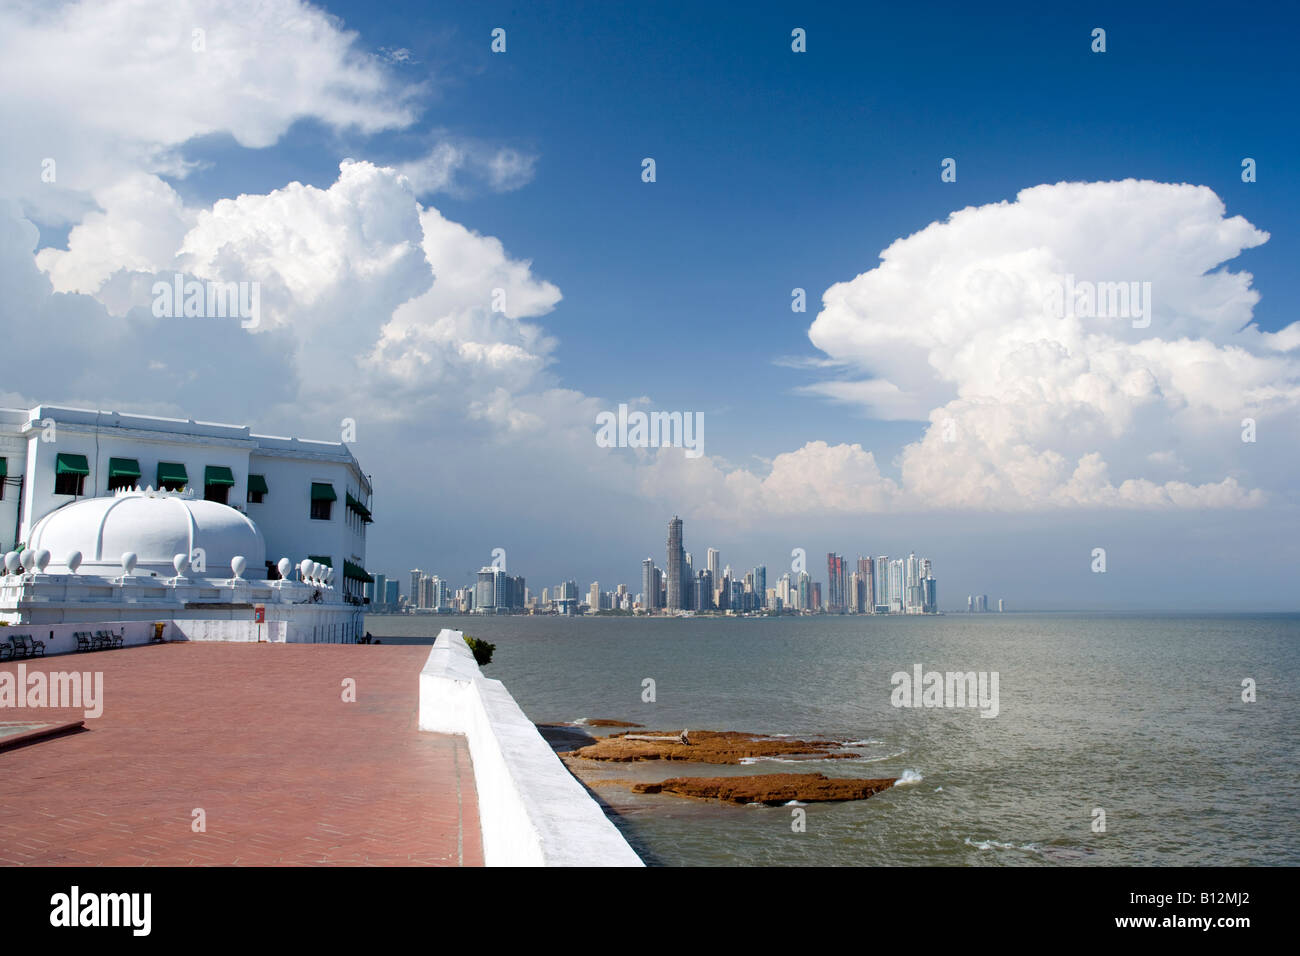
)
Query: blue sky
[
  {"x": 778, "y": 170},
  {"x": 775, "y": 170}
]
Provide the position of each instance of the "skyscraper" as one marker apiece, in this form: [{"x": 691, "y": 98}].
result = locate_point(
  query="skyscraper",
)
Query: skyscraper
[
  {"x": 676, "y": 565},
  {"x": 882, "y": 580},
  {"x": 715, "y": 565},
  {"x": 896, "y": 584},
  {"x": 649, "y": 584},
  {"x": 867, "y": 583},
  {"x": 836, "y": 584},
  {"x": 760, "y": 586}
]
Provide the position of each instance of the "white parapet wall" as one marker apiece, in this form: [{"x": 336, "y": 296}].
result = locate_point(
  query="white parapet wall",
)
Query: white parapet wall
[{"x": 531, "y": 809}]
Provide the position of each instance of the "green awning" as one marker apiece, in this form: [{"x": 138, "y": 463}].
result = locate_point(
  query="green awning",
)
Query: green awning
[
  {"x": 123, "y": 468},
  {"x": 69, "y": 464},
  {"x": 320, "y": 491},
  {"x": 324, "y": 559},
  {"x": 218, "y": 475},
  {"x": 356, "y": 572},
  {"x": 257, "y": 483},
  {"x": 171, "y": 472},
  {"x": 359, "y": 508},
  {"x": 4, "y": 467}
]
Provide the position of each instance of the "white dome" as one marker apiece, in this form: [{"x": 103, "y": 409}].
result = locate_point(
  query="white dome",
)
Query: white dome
[{"x": 156, "y": 526}]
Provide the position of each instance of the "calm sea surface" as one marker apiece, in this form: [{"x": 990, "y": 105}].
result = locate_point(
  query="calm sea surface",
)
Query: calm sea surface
[{"x": 1138, "y": 715}]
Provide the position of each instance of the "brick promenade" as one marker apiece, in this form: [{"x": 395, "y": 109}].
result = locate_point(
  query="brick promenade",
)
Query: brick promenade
[{"x": 258, "y": 736}]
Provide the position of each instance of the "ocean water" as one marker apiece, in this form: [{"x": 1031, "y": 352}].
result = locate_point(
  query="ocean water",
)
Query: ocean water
[{"x": 1140, "y": 716}]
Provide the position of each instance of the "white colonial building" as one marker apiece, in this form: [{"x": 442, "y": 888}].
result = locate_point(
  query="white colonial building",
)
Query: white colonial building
[{"x": 105, "y": 516}]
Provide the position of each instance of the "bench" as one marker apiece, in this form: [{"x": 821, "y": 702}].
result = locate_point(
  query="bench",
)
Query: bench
[
  {"x": 108, "y": 639},
  {"x": 83, "y": 641},
  {"x": 34, "y": 647},
  {"x": 6, "y": 651},
  {"x": 18, "y": 647}
]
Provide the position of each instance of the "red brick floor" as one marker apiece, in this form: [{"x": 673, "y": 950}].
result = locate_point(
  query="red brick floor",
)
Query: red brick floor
[{"x": 257, "y": 736}]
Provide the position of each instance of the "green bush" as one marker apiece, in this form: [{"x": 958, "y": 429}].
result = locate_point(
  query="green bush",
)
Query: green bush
[{"x": 482, "y": 650}]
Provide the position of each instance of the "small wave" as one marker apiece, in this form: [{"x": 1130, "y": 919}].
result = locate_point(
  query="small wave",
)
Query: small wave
[
  {"x": 890, "y": 756},
  {"x": 908, "y": 777},
  {"x": 998, "y": 845},
  {"x": 794, "y": 803},
  {"x": 860, "y": 743},
  {"x": 582, "y": 721},
  {"x": 938, "y": 789}
]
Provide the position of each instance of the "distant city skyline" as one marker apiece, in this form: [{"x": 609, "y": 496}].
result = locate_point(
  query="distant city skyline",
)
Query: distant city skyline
[{"x": 877, "y": 585}]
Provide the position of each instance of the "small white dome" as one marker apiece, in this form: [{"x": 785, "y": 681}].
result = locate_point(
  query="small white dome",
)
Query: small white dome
[{"x": 156, "y": 526}]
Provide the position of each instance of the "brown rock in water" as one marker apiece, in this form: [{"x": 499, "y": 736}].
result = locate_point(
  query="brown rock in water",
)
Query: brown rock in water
[
  {"x": 708, "y": 746},
  {"x": 770, "y": 788},
  {"x": 603, "y": 722}
]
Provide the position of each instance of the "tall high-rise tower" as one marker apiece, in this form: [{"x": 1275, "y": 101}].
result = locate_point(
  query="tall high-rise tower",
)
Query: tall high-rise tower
[
  {"x": 676, "y": 565},
  {"x": 836, "y": 584},
  {"x": 649, "y": 585},
  {"x": 867, "y": 581}
]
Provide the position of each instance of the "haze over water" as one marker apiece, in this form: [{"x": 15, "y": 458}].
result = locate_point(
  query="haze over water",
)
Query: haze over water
[{"x": 1140, "y": 715}]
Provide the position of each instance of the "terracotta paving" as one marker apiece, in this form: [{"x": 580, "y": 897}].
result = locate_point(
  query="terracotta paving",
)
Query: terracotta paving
[{"x": 257, "y": 736}]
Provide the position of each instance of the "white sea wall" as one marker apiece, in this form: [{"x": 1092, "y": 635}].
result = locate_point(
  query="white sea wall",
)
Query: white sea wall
[{"x": 531, "y": 809}]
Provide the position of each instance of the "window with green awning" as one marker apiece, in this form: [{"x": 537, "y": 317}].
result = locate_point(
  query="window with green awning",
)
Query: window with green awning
[
  {"x": 69, "y": 464},
  {"x": 172, "y": 476},
  {"x": 123, "y": 468},
  {"x": 70, "y": 473},
  {"x": 256, "y": 489},
  {"x": 355, "y": 505},
  {"x": 324, "y": 559},
  {"x": 123, "y": 473},
  {"x": 218, "y": 475},
  {"x": 320, "y": 491},
  {"x": 322, "y": 500},
  {"x": 4, "y": 467},
  {"x": 357, "y": 573}
]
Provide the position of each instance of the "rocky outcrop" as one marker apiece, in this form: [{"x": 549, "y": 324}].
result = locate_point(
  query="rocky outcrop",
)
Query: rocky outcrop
[
  {"x": 770, "y": 788},
  {"x": 708, "y": 746},
  {"x": 605, "y": 722}
]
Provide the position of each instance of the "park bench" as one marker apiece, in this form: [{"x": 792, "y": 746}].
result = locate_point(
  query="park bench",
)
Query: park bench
[
  {"x": 34, "y": 647},
  {"x": 83, "y": 641},
  {"x": 18, "y": 648},
  {"x": 109, "y": 639}
]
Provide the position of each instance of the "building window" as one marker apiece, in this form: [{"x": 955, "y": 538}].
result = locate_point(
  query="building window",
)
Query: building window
[
  {"x": 172, "y": 476},
  {"x": 256, "y": 489},
  {"x": 123, "y": 473},
  {"x": 217, "y": 482},
  {"x": 322, "y": 500},
  {"x": 69, "y": 484},
  {"x": 254, "y": 497},
  {"x": 70, "y": 473}
]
